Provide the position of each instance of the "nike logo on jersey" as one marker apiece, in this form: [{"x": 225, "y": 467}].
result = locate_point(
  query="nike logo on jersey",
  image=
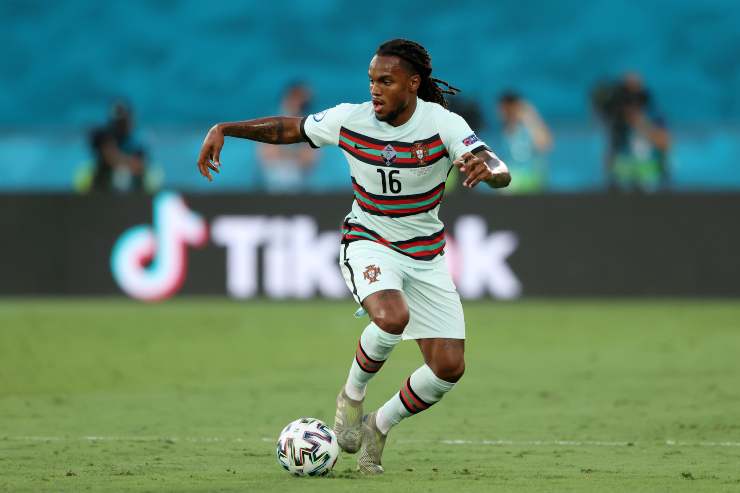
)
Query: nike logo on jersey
[{"x": 358, "y": 146}]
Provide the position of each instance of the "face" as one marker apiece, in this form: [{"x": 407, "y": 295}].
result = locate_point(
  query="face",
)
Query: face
[
  {"x": 507, "y": 111},
  {"x": 121, "y": 119},
  {"x": 297, "y": 99},
  {"x": 392, "y": 87}
]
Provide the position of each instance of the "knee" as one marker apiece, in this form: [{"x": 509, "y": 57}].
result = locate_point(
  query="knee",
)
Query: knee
[
  {"x": 392, "y": 321},
  {"x": 450, "y": 369}
]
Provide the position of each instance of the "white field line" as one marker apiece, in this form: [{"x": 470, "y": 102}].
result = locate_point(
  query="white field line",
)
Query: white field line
[
  {"x": 587, "y": 443},
  {"x": 123, "y": 439},
  {"x": 499, "y": 442}
]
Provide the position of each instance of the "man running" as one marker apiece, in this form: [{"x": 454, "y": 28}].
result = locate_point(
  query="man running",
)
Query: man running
[{"x": 400, "y": 147}]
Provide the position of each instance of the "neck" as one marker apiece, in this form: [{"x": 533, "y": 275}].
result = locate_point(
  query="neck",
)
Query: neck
[{"x": 404, "y": 115}]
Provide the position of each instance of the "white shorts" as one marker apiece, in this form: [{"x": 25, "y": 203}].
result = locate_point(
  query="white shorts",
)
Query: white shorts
[{"x": 434, "y": 305}]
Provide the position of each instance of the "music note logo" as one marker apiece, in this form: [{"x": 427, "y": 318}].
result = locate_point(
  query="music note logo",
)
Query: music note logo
[{"x": 150, "y": 263}]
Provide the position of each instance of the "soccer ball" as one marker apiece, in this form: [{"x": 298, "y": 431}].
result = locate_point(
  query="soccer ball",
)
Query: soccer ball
[{"x": 307, "y": 447}]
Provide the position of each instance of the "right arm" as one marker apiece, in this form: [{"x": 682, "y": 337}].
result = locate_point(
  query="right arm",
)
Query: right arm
[
  {"x": 535, "y": 124},
  {"x": 271, "y": 130}
]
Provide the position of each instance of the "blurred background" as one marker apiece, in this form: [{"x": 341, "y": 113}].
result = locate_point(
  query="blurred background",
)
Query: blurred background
[
  {"x": 620, "y": 121},
  {"x": 618, "y": 238}
]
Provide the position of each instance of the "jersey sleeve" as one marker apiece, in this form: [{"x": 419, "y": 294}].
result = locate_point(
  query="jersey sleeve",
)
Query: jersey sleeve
[
  {"x": 322, "y": 128},
  {"x": 457, "y": 135}
]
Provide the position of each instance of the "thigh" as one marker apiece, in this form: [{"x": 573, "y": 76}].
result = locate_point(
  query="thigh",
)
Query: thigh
[{"x": 434, "y": 305}]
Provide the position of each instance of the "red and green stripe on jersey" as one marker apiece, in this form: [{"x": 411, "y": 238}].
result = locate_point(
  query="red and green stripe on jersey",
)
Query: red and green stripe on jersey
[
  {"x": 419, "y": 248},
  {"x": 403, "y": 205},
  {"x": 370, "y": 150}
]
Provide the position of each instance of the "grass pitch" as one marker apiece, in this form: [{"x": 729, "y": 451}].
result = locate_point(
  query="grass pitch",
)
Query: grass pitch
[{"x": 191, "y": 395}]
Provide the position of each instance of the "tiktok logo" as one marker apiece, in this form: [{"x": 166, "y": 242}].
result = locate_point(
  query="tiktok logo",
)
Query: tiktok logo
[
  {"x": 150, "y": 263},
  {"x": 478, "y": 260}
]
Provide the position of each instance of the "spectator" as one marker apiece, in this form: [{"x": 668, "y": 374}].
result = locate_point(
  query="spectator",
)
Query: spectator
[
  {"x": 638, "y": 140},
  {"x": 527, "y": 141},
  {"x": 120, "y": 160},
  {"x": 285, "y": 168}
]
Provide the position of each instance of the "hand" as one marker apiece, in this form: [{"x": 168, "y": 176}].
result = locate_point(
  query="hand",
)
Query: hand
[
  {"x": 634, "y": 116},
  {"x": 475, "y": 168},
  {"x": 525, "y": 112},
  {"x": 210, "y": 152}
]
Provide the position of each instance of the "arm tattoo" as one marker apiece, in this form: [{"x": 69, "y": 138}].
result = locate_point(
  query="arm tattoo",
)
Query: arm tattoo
[{"x": 272, "y": 130}]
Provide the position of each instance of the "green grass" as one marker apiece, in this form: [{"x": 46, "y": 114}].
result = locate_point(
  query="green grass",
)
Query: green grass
[{"x": 190, "y": 396}]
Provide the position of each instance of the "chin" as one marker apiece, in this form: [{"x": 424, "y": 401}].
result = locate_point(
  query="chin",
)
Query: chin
[{"x": 388, "y": 116}]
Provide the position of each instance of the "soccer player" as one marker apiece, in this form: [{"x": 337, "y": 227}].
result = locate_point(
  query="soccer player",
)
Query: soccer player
[{"x": 400, "y": 147}]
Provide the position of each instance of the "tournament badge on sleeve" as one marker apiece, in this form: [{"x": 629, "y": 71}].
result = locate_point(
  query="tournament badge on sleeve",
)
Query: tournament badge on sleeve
[
  {"x": 420, "y": 151},
  {"x": 470, "y": 140}
]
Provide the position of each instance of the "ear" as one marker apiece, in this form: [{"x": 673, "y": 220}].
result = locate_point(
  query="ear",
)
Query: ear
[{"x": 414, "y": 83}]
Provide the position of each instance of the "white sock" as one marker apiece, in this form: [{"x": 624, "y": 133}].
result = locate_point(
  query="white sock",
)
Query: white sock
[
  {"x": 373, "y": 349},
  {"x": 419, "y": 392}
]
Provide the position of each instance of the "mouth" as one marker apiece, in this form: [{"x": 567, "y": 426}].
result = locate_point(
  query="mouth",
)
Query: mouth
[{"x": 377, "y": 105}]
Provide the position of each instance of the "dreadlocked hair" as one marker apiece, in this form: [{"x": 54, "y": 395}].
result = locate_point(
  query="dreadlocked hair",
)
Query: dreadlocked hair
[{"x": 418, "y": 60}]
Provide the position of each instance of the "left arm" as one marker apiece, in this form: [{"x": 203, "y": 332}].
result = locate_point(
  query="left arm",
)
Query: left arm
[
  {"x": 483, "y": 166},
  {"x": 535, "y": 124},
  {"x": 657, "y": 135}
]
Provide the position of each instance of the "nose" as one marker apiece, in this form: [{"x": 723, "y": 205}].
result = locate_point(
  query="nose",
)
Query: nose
[{"x": 375, "y": 89}]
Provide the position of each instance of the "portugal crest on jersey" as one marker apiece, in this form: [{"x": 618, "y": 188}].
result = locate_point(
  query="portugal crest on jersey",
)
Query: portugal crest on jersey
[
  {"x": 389, "y": 154},
  {"x": 420, "y": 152}
]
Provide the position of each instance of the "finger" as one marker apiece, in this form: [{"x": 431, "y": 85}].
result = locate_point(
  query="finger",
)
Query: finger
[
  {"x": 472, "y": 166},
  {"x": 204, "y": 171},
  {"x": 468, "y": 162},
  {"x": 203, "y": 168},
  {"x": 204, "y": 162},
  {"x": 483, "y": 176},
  {"x": 476, "y": 176},
  {"x": 462, "y": 163},
  {"x": 471, "y": 182},
  {"x": 216, "y": 156}
]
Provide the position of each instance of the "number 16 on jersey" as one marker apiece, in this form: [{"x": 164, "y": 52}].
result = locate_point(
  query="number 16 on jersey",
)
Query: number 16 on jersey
[{"x": 388, "y": 181}]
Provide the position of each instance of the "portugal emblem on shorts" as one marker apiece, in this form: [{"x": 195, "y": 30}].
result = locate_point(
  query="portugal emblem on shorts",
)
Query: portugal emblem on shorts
[
  {"x": 389, "y": 154},
  {"x": 372, "y": 272},
  {"x": 420, "y": 152}
]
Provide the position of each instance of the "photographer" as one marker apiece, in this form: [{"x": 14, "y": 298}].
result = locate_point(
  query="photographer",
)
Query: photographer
[
  {"x": 119, "y": 159},
  {"x": 636, "y": 158}
]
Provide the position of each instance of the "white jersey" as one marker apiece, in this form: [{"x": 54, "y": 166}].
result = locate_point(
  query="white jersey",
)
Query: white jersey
[{"x": 398, "y": 173}]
